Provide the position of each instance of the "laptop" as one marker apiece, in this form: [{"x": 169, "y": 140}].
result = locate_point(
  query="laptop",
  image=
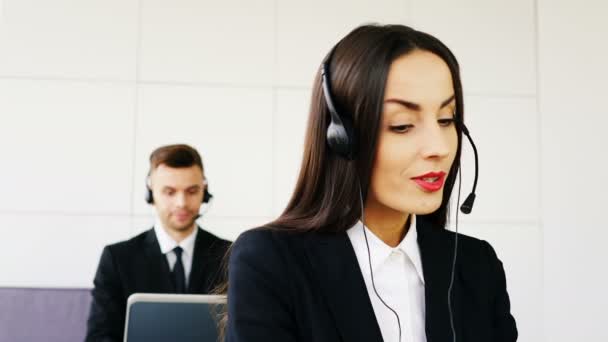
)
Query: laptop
[{"x": 173, "y": 317}]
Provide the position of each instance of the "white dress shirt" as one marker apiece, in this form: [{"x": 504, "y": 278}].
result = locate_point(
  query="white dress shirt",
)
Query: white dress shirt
[
  {"x": 399, "y": 281},
  {"x": 167, "y": 244}
]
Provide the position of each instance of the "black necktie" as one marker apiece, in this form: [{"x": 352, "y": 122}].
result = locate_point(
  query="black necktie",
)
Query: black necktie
[{"x": 179, "y": 276}]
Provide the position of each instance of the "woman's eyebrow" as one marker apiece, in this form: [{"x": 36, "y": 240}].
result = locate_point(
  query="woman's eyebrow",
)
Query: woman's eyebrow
[{"x": 415, "y": 106}]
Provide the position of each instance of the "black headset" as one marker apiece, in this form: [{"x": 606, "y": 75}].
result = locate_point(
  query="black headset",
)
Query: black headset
[
  {"x": 207, "y": 196},
  {"x": 340, "y": 134}
]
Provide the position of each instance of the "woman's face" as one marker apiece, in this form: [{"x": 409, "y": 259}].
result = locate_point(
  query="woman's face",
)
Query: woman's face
[{"x": 417, "y": 141}]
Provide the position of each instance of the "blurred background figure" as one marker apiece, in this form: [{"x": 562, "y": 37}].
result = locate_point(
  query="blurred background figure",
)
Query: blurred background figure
[{"x": 175, "y": 256}]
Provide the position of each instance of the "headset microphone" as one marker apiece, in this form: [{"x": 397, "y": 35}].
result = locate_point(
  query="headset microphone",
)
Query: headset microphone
[{"x": 467, "y": 205}]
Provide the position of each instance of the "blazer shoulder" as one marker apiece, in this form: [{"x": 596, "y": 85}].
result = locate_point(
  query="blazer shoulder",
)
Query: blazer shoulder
[
  {"x": 259, "y": 238},
  {"x": 475, "y": 247},
  {"x": 466, "y": 242},
  {"x": 213, "y": 238},
  {"x": 471, "y": 250},
  {"x": 265, "y": 241},
  {"x": 131, "y": 245},
  {"x": 471, "y": 243},
  {"x": 271, "y": 237}
]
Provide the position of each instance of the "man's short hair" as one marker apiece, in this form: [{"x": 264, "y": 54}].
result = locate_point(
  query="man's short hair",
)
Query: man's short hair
[{"x": 176, "y": 156}]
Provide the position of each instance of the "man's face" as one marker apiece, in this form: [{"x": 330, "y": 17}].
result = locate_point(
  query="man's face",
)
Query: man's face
[{"x": 178, "y": 194}]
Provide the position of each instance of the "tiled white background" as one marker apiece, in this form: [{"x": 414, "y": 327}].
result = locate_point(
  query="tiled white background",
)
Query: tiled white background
[
  {"x": 89, "y": 88},
  {"x": 574, "y": 117},
  {"x": 208, "y": 41}
]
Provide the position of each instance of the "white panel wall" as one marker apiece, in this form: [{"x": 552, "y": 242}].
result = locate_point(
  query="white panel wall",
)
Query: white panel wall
[
  {"x": 494, "y": 41},
  {"x": 89, "y": 88},
  {"x": 69, "y": 39},
  {"x": 208, "y": 41},
  {"x": 66, "y": 146},
  {"x": 307, "y": 30},
  {"x": 573, "y": 74},
  {"x": 55, "y": 249}
]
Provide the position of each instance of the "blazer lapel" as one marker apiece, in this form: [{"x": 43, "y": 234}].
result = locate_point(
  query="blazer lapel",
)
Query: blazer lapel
[
  {"x": 335, "y": 266},
  {"x": 159, "y": 267},
  {"x": 436, "y": 250},
  {"x": 201, "y": 272}
]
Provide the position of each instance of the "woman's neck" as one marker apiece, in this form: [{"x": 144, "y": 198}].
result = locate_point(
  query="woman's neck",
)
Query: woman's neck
[{"x": 389, "y": 225}]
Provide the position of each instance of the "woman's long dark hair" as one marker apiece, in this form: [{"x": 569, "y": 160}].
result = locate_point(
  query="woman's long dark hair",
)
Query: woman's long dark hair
[{"x": 326, "y": 196}]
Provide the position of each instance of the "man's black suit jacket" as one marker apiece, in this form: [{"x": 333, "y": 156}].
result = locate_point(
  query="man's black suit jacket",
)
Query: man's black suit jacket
[{"x": 137, "y": 265}]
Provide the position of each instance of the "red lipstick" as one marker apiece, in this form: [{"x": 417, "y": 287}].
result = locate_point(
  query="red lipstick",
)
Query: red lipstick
[{"x": 431, "y": 182}]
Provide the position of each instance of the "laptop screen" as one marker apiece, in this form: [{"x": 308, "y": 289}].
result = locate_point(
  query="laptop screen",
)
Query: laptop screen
[{"x": 180, "y": 320}]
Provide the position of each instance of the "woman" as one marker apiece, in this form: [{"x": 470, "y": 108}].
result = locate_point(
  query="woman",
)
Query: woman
[{"x": 361, "y": 252}]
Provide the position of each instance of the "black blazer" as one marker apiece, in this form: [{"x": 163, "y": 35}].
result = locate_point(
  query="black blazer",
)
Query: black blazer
[
  {"x": 286, "y": 286},
  {"x": 137, "y": 265}
]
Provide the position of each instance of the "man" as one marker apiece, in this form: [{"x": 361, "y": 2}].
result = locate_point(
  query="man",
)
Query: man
[{"x": 175, "y": 256}]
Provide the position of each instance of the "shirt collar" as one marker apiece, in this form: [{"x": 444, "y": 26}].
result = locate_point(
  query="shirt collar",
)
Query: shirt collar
[
  {"x": 380, "y": 251},
  {"x": 167, "y": 244}
]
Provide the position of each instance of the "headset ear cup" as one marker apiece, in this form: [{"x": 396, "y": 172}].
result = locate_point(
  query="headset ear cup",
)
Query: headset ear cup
[
  {"x": 339, "y": 136},
  {"x": 149, "y": 196},
  {"x": 207, "y": 196}
]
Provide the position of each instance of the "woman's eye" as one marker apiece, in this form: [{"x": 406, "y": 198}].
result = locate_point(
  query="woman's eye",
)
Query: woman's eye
[
  {"x": 446, "y": 122},
  {"x": 401, "y": 128}
]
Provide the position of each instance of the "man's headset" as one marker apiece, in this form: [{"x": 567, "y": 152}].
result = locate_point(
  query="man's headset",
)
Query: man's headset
[
  {"x": 341, "y": 140},
  {"x": 207, "y": 196}
]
